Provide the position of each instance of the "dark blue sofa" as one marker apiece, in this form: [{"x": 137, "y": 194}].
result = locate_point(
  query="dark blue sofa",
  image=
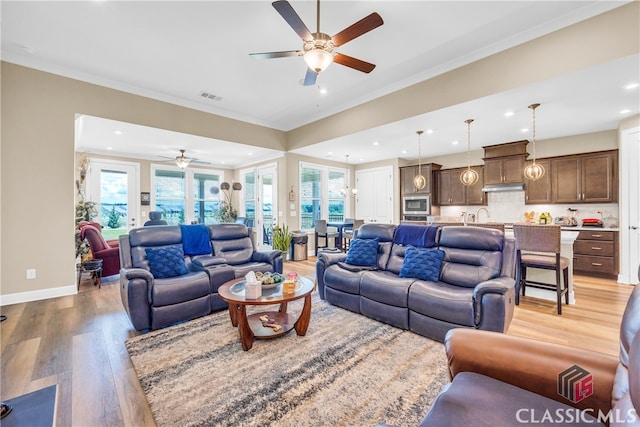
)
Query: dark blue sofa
[
  {"x": 476, "y": 287},
  {"x": 153, "y": 303}
]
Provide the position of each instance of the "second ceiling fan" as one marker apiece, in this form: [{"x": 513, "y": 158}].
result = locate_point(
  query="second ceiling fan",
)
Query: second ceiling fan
[{"x": 318, "y": 48}]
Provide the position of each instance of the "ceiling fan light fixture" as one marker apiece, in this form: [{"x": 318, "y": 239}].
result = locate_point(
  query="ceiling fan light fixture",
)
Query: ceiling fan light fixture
[
  {"x": 419, "y": 181},
  {"x": 182, "y": 162},
  {"x": 318, "y": 59}
]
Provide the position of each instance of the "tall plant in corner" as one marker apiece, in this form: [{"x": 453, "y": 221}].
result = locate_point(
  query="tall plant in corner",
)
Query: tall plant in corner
[{"x": 85, "y": 210}]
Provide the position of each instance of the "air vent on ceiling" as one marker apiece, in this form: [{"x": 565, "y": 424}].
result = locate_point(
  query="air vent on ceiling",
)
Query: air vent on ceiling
[{"x": 209, "y": 95}]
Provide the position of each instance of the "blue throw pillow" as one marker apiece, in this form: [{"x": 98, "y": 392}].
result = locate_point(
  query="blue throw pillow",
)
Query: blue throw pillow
[
  {"x": 422, "y": 263},
  {"x": 166, "y": 262},
  {"x": 363, "y": 252}
]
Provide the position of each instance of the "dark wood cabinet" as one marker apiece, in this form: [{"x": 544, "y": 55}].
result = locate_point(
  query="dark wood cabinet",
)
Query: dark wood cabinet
[
  {"x": 408, "y": 173},
  {"x": 540, "y": 191},
  {"x": 586, "y": 178},
  {"x": 504, "y": 170},
  {"x": 595, "y": 253},
  {"x": 451, "y": 191}
]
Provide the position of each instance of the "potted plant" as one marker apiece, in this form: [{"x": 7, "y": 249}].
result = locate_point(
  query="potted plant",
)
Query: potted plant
[
  {"x": 282, "y": 239},
  {"x": 226, "y": 212}
]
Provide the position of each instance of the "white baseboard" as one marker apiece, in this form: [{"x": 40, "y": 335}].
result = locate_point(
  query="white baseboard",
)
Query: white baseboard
[{"x": 21, "y": 297}]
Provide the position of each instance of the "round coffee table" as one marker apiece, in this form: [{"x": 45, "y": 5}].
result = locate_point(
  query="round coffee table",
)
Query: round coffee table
[{"x": 253, "y": 326}]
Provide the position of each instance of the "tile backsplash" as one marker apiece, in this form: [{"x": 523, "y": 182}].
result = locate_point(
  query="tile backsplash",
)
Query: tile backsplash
[{"x": 509, "y": 206}]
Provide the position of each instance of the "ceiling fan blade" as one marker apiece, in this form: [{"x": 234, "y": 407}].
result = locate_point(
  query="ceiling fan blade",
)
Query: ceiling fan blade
[
  {"x": 310, "y": 77},
  {"x": 282, "y": 54},
  {"x": 286, "y": 11},
  {"x": 361, "y": 27},
  {"x": 351, "y": 62}
]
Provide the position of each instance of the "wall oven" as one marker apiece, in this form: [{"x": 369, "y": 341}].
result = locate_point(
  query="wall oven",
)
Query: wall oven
[{"x": 416, "y": 205}]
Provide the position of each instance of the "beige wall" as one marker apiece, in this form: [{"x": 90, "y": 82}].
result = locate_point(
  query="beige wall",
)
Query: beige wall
[{"x": 37, "y": 154}]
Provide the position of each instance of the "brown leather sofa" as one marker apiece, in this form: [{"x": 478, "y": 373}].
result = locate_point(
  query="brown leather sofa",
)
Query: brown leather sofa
[{"x": 501, "y": 380}]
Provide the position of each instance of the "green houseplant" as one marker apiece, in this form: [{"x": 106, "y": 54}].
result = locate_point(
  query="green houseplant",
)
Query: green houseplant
[{"x": 281, "y": 239}]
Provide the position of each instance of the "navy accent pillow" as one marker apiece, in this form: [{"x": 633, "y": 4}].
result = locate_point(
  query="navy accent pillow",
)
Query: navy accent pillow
[
  {"x": 363, "y": 252},
  {"x": 422, "y": 263},
  {"x": 166, "y": 262}
]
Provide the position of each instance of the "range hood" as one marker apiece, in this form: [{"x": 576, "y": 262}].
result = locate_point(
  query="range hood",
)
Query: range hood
[{"x": 494, "y": 188}]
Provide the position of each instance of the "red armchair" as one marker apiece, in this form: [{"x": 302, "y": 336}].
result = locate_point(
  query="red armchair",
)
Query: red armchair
[
  {"x": 113, "y": 243},
  {"x": 101, "y": 249}
]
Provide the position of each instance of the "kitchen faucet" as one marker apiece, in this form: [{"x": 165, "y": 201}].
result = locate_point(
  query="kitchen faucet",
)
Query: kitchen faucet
[{"x": 478, "y": 214}]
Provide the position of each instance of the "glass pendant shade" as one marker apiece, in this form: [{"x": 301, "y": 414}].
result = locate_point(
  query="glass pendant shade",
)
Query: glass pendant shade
[
  {"x": 318, "y": 59},
  {"x": 534, "y": 171},
  {"x": 469, "y": 176}
]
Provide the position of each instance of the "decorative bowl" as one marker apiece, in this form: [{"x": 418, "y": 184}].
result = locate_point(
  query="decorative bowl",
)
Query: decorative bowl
[{"x": 270, "y": 280}]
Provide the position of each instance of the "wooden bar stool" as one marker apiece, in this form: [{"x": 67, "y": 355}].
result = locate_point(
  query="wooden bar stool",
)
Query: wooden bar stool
[{"x": 538, "y": 246}]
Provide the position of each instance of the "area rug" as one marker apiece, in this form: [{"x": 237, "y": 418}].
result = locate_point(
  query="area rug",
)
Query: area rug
[{"x": 348, "y": 370}]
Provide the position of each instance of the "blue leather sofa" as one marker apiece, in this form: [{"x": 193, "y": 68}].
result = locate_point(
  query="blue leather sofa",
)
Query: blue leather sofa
[
  {"x": 476, "y": 286},
  {"x": 153, "y": 302}
]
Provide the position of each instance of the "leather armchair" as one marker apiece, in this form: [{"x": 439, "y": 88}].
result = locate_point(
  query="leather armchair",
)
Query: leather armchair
[
  {"x": 503, "y": 380},
  {"x": 101, "y": 249},
  {"x": 114, "y": 243}
]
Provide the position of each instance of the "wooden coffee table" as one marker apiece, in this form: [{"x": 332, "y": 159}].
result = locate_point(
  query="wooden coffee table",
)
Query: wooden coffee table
[{"x": 251, "y": 326}]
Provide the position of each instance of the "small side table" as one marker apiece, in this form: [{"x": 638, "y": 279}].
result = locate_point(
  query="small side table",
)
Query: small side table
[{"x": 93, "y": 267}]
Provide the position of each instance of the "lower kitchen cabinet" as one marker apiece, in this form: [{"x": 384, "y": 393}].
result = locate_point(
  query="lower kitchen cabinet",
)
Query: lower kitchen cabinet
[{"x": 595, "y": 253}]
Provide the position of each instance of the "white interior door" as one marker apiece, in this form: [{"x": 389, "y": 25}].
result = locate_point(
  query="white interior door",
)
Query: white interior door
[
  {"x": 114, "y": 187},
  {"x": 267, "y": 213},
  {"x": 629, "y": 206},
  {"x": 374, "y": 202}
]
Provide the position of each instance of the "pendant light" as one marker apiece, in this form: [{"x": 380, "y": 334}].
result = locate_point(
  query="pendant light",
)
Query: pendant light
[
  {"x": 345, "y": 191},
  {"x": 534, "y": 171},
  {"x": 469, "y": 176},
  {"x": 419, "y": 181}
]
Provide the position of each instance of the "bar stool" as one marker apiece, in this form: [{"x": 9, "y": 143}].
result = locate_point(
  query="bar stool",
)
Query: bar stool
[
  {"x": 322, "y": 232},
  {"x": 351, "y": 233},
  {"x": 538, "y": 246}
]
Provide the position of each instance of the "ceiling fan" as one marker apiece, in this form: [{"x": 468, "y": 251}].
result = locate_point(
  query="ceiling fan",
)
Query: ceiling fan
[
  {"x": 318, "y": 48},
  {"x": 183, "y": 161}
]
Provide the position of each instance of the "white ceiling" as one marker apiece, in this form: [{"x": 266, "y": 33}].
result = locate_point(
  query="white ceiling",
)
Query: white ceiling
[{"x": 174, "y": 50}]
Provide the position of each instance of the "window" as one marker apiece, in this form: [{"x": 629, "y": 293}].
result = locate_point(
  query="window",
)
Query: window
[
  {"x": 172, "y": 195},
  {"x": 320, "y": 194}
]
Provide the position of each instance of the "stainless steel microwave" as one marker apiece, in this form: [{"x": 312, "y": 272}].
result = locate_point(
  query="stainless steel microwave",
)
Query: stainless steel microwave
[{"x": 416, "y": 205}]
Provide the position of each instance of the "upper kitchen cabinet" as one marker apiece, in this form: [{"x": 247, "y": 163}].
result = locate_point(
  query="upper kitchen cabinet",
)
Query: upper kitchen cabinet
[
  {"x": 503, "y": 163},
  {"x": 539, "y": 191},
  {"x": 451, "y": 191},
  {"x": 408, "y": 173},
  {"x": 586, "y": 178}
]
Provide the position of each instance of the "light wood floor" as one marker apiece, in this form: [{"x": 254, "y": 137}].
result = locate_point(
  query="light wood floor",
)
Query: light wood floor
[{"x": 78, "y": 343}]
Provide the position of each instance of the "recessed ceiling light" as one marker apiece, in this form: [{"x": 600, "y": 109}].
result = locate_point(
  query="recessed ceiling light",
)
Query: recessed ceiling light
[
  {"x": 625, "y": 111},
  {"x": 455, "y": 142},
  {"x": 524, "y": 130},
  {"x": 508, "y": 114},
  {"x": 429, "y": 131},
  {"x": 404, "y": 151},
  {"x": 330, "y": 153},
  {"x": 323, "y": 91},
  {"x": 117, "y": 132},
  {"x": 109, "y": 148},
  {"x": 630, "y": 86},
  {"x": 376, "y": 143},
  {"x": 250, "y": 153},
  {"x": 361, "y": 159}
]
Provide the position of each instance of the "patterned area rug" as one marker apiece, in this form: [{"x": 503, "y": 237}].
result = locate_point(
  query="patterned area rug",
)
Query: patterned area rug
[{"x": 348, "y": 370}]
